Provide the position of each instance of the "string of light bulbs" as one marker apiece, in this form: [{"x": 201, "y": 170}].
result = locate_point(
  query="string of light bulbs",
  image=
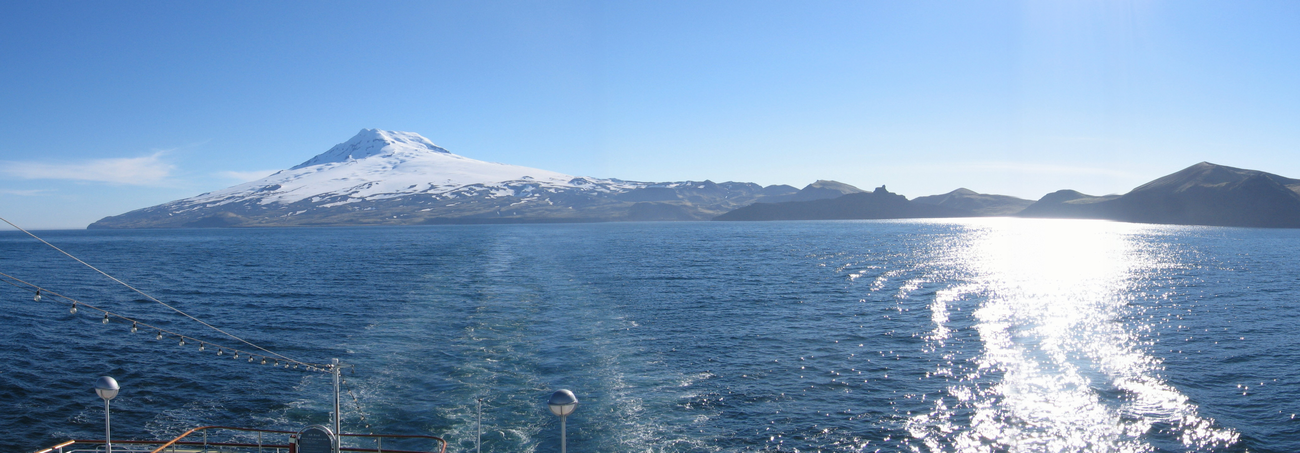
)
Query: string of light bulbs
[
  {"x": 76, "y": 306},
  {"x": 267, "y": 352},
  {"x": 264, "y": 355},
  {"x": 355, "y": 401}
]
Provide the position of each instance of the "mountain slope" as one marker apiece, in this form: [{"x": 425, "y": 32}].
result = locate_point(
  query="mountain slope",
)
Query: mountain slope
[
  {"x": 399, "y": 178},
  {"x": 1068, "y": 204},
  {"x": 1203, "y": 194},
  {"x": 878, "y": 204},
  {"x": 977, "y": 203},
  {"x": 819, "y": 190}
]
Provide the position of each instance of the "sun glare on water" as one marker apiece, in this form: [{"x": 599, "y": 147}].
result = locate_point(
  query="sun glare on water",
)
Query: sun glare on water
[{"x": 1065, "y": 363}]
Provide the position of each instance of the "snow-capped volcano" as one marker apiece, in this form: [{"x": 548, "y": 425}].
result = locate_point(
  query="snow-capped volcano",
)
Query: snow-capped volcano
[
  {"x": 373, "y": 142},
  {"x": 377, "y": 164},
  {"x": 388, "y": 177}
]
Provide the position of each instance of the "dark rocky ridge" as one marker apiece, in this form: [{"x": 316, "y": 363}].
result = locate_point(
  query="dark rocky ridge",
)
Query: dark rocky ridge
[
  {"x": 1203, "y": 194},
  {"x": 878, "y": 204},
  {"x": 1067, "y": 204},
  {"x": 820, "y": 190},
  {"x": 977, "y": 204}
]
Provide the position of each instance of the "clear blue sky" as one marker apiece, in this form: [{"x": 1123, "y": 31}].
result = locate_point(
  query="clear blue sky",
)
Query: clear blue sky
[{"x": 115, "y": 106}]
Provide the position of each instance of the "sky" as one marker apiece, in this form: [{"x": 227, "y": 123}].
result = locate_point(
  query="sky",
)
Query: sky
[{"x": 109, "y": 107}]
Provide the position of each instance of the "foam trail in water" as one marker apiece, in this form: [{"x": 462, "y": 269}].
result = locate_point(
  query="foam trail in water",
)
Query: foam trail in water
[{"x": 1062, "y": 367}]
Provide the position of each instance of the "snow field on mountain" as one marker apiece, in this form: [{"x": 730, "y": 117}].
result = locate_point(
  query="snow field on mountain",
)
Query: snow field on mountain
[{"x": 377, "y": 164}]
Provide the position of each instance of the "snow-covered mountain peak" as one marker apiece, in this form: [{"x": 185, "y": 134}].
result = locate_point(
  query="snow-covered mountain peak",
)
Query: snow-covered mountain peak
[
  {"x": 383, "y": 177},
  {"x": 378, "y": 164},
  {"x": 374, "y": 142}
]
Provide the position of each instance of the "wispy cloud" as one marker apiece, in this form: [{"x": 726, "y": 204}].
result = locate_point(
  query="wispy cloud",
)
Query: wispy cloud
[
  {"x": 246, "y": 176},
  {"x": 139, "y": 171},
  {"x": 22, "y": 193}
]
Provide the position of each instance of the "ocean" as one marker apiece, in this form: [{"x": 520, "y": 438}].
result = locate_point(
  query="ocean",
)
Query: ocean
[{"x": 966, "y": 335}]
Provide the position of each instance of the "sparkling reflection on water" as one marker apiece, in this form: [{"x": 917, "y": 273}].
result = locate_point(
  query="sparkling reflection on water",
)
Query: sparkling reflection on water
[
  {"x": 987, "y": 335},
  {"x": 1068, "y": 350}
]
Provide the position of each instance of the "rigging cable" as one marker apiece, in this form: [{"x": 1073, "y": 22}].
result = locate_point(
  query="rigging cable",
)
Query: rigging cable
[
  {"x": 136, "y": 325},
  {"x": 142, "y": 293}
]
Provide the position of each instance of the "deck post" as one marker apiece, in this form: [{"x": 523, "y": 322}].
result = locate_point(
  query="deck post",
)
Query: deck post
[
  {"x": 478, "y": 428},
  {"x": 338, "y": 434},
  {"x": 108, "y": 430}
]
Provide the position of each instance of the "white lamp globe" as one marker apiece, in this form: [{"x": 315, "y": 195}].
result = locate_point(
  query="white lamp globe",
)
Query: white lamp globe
[
  {"x": 106, "y": 387},
  {"x": 562, "y": 403}
]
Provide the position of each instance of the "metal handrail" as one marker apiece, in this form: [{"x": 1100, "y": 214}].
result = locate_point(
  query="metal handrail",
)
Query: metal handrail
[
  {"x": 440, "y": 440},
  {"x": 205, "y": 428},
  {"x": 154, "y": 442},
  {"x": 177, "y": 441},
  {"x": 58, "y": 447},
  {"x": 393, "y": 436}
]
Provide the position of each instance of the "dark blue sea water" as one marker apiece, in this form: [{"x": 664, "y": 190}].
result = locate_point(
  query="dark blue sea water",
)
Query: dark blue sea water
[{"x": 998, "y": 335}]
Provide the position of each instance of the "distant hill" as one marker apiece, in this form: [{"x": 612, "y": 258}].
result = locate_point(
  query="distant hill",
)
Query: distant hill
[
  {"x": 401, "y": 178},
  {"x": 977, "y": 204},
  {"x": 820, "y": 190},
  {"x": 1203, "y": 194},
  {"x": 383, "y": 177},
  {"x": 1068, "y": 204},
  {"x": 878, "y": 204}
]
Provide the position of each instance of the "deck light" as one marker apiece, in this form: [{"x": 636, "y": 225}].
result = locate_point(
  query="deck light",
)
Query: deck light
[
  {"x": 159, "y": 335},
  {"x": 106, "y": 387},
  {"x": 563, "y": 403},
  {"x": 133, "y": 327},
  {"x": 105, "y": 318},
  {"x": 182, "y": 343},
  {"x": 73, "y": 310},
  {"x": 38, "y": 296}
]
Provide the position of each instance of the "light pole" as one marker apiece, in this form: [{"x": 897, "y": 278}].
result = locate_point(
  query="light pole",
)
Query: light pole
[
  {"x": 338, "y": 416},
  {"x": 563, "y": 403},
  {"x": 478, "y": 427},
  {"x": 106, "y": 387}
]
